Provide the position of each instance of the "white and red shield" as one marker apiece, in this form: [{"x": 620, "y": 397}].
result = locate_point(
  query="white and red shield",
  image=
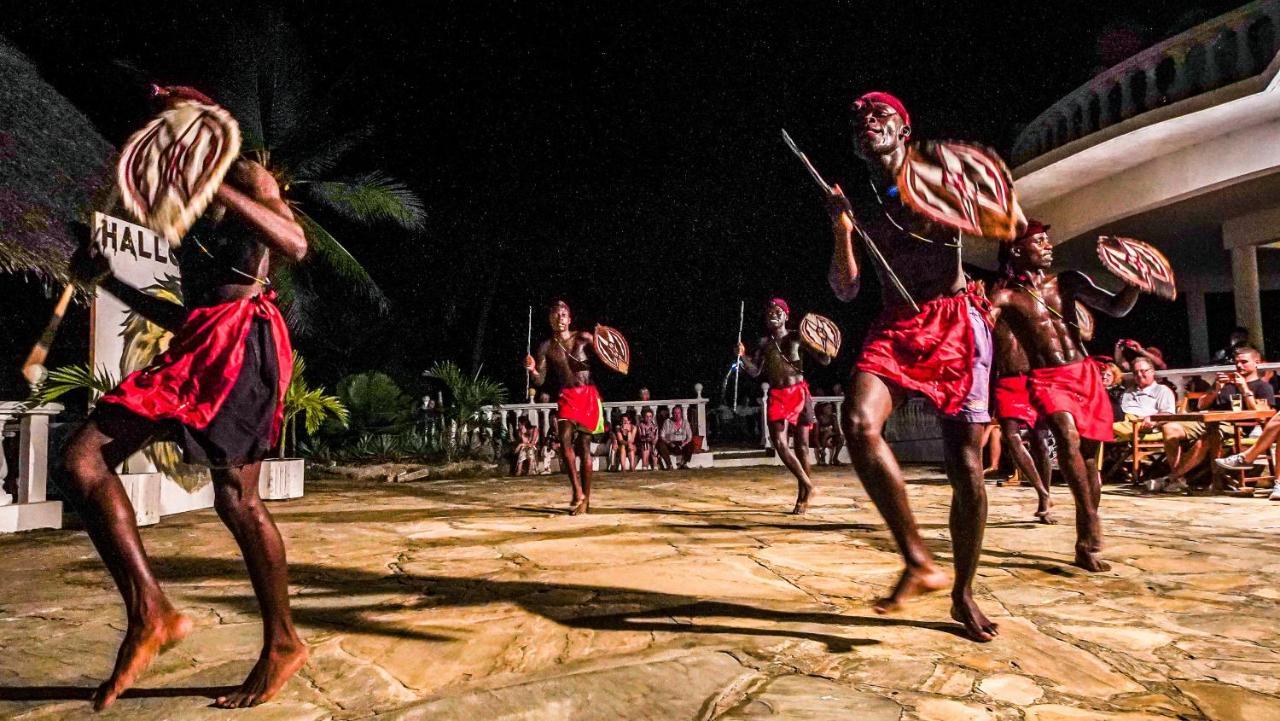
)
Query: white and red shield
[
  {"x": 612, "y": 349},
  {"x": 960, "y": 185},
  {"x": 1138, "y": 264},
  {"x": 820, "y": 334},
  {"x": 169, "y": 170}
]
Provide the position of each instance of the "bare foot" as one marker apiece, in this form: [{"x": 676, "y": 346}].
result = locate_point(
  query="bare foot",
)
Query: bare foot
[
  {"x": 269, "y": 674},
  {"x": 142, "y": 643},
  {"x": 577, "y": 507},
  {"x": 1046, "y": 517},
  {"x": 1090, "y": 562},
  {"x": 913, "y": 583},
  {"x": 977, "y": 627},
  {"x": 803, "y": 496}
]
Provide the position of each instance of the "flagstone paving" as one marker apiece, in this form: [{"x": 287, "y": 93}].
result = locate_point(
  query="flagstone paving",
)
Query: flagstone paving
[{"x": 683, "y": 596}]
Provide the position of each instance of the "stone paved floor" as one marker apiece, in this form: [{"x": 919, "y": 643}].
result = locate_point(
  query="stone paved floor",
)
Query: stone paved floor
[{"x": 683, "y": 597}]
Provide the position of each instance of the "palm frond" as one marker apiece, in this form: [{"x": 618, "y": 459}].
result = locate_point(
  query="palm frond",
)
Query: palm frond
[
  {"x": 64, "y": 379},
  {"x": 313, "y": 157},
  {"x": 370, "y": 198},
  {"x": 326, "y": 247}
]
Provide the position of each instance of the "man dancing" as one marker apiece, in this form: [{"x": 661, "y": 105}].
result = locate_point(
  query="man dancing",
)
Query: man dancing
[
  {"x": 1011, "y": 398},
  {"x": 777, "y": 358},
  {"x": 1065, "y": 386},
  {"x": 580, "y": 412},
  {"x": 941, "y": 349},
  {"x": 218, "y": 391}
]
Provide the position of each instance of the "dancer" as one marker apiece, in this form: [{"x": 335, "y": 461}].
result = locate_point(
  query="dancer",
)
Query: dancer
[
  {"x": 218, "y": 391},
  {"x": 777, "y": 357},
  {"x": 1064, "y": 384},
  {"x": 1013, "y": 409},
  {"x": 580, "y": 411},
  {"x": 940, "y": 348}
]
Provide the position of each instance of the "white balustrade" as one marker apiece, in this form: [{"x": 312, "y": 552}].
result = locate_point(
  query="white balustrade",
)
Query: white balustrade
[
  {"x": 1198, "y": 58},
  {"x": 539, "y": 414},
  {"x": 31, "y": 509}
]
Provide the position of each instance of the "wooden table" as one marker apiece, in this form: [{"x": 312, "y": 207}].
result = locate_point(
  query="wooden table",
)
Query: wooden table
[{"x": 1212, "y": 420}]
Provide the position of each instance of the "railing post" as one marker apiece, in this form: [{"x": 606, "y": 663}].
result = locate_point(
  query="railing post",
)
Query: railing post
[
  {"x": 5, "y": 417},
  {"x": 33, "y": 458},
  {"x": 702, "y": 417},
  {"x": 767, "y": 442}
]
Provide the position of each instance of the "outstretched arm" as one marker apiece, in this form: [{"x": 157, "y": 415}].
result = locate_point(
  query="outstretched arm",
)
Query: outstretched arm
[
  {"x": 252, "y": 193},
  {"x": 750, "y": 362},
  {"x": 536, "y": 364},
  {"x": 843, "y": 275},
  {"x": 1079, "y": 286}
]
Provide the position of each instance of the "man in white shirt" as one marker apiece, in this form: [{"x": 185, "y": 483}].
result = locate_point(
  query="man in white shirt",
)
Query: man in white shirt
[
  {"x": 676, "y": 438},
  {"x": 1147, "y": 398}
]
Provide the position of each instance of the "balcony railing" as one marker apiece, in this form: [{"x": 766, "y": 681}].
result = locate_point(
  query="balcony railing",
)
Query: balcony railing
[
  {"x": 28, "y": 507},
  {"x": 1222, "y": 51}
]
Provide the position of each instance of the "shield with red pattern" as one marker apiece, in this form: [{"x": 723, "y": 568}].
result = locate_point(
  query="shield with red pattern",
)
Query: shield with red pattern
[
  {"x": 962, "y": 186},
  {"x": 1138, "y": 264},
  {"x": 612, "y": 349},
  {"x": 1085, "y": 322},
  {"x": 170, "y": 169},
  {"x": 820, "y": 334}
]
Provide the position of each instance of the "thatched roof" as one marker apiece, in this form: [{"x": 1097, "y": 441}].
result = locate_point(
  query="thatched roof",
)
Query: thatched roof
[{"x": 54, "y": 169}]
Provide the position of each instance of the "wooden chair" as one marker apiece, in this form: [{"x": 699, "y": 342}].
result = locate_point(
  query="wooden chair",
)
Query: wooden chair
[{"x": 1246, "y": 483}]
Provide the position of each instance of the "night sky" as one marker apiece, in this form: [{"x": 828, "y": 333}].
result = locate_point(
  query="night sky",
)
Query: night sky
[{"x": 625, "y": 157}]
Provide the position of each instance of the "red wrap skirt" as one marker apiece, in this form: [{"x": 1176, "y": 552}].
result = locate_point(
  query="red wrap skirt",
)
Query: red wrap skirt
[
  {"x": 582, "y": 406},
  {"x": 220, "y": 385},
  {"x": 1012, "y": 396},
  {"x": 1075, "y": 388},
  {"x": 932, "y": 352},
  {"x": 793, "y": 404}
]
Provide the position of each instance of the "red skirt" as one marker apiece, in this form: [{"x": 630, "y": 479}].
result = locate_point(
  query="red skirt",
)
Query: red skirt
[
  {"x": 223, "y": 379},
  {"x": 931, "y": 352},
  {"x": 1012, "y": 396},
  {"x": 583, "y": 407},
  {"x": 793, "y": 404},
  {"x": 1075, "y": 388}
]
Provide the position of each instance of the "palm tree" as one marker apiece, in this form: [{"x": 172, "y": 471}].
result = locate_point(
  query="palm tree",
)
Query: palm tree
[
  {"x": 315, "y": 406},
  {"x": 289, "y": 124},
  {"x": 468, "y": 395}
]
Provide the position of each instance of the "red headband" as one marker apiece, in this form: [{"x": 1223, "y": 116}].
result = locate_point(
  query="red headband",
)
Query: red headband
[
  {"x": 781, "y": 304},
  {"x": 879, "y": 96},
  {"x": 1034, "y": 227},
  {"x": 184, "y": 92}
]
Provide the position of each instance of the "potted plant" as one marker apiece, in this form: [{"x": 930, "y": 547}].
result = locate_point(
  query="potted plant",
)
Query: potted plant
[{"x": 282, "y": 478}]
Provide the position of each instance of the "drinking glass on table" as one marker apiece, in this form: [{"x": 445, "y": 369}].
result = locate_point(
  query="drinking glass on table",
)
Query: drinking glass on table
[{"x": 1236, "y": 402}]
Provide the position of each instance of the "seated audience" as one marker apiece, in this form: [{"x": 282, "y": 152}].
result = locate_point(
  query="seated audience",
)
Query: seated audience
[
  {"x": 1248, "y": 459},
  {"x": 830, "y": 437},
  {"x": 647, "y": 439},
  {"x": 626, "y": 440},
  {"x": 1241, "y": 389},
  {"x": 675, "y": 438},
  {"x": 1146, "y": 398},
  {"x": 528, "y": 442},
  {"x": 1128, "y": 350}
]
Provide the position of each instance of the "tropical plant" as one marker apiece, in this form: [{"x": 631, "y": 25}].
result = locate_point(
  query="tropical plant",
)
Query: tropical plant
[
  {"x": 375, "y": 404},
  {"x": 468, "y": 395},
  {"x": 312, "y": 403},
  {"x": 290, "y": 125}
]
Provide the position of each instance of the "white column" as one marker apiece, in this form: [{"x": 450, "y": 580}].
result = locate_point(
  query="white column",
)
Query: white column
[
  {"x": 33, "y": 458},
  {"x": 1198, "y": 324},
  {"x": 1244, "y": 276},
  {"x": 5, "y": 498}
]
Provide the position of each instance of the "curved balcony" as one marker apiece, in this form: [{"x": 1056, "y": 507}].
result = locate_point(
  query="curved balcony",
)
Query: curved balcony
[{"x": 1228, "y": 49}]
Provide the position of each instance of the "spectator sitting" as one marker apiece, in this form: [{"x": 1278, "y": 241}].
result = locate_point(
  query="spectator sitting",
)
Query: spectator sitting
[
  {"x": 830, "y": 438},
  {"x": 1239, "y": 338},
  {"x": 626, "y": 439},
  {"x": 647, "y": 439},
  {"x": 1147, "y": 398},
  {"x": 550, "y": 446},
  {"x": 675, "y": 438},
  {"x": 1249, "y": 459},
  {"x": 1112, "y": 380},
  {"x": 527, "y": 448},
  {"x": 1127, "y": 351},
  {"x": 1239, "y": 390}
]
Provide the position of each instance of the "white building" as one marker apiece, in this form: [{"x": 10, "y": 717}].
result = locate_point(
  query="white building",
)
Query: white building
[{"x": 1179, "y": 146}]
